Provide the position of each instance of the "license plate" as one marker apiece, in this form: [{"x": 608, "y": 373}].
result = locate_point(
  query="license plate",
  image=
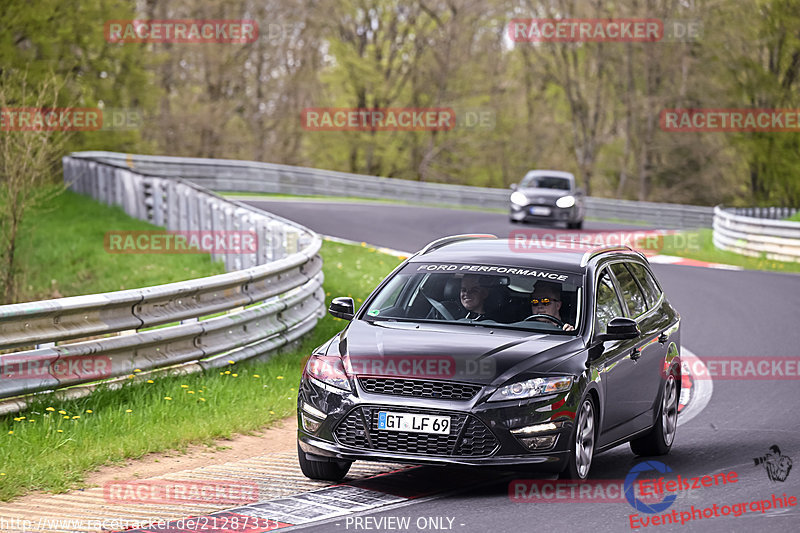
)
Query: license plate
[
  {"x": 414, "y": 423},
  {"x": 541, "y": 211}
]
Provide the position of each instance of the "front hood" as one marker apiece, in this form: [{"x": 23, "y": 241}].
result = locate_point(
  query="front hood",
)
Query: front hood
[
  {"x": 445, "y": 352},
  {"x": 543, "y": 195}
]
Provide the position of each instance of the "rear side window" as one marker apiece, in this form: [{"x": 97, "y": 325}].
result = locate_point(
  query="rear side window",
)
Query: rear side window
[
  {"x": 631, "y": 292},
  {"x": 607, "y": 302},
  {"x": 648, "y": 284}
]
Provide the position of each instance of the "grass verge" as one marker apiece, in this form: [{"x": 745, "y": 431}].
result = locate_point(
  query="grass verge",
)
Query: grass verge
[
  {"x": 61, "y": 253},
  {"x": 699, "y": 245},
  {"x": 54, "y": 444}
]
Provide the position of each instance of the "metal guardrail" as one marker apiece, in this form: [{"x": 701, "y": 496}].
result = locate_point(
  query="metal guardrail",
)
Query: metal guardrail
[
  {"x": 272, "y": 296},
  {"x": 249, "y": 176},
  {"x": 777, "y": 240}
]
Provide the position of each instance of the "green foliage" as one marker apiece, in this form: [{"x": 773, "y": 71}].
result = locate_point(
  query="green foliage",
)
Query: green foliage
[
  {"x": 62, "y": 252},
  {"x": 201, "y": 407}
]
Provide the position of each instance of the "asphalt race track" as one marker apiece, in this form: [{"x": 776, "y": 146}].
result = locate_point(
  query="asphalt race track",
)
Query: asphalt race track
[{"x": 725, "y": 313}]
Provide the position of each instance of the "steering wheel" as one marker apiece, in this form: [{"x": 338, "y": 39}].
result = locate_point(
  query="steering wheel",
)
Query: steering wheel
[
  {"x": 557, "y": 321},
  {"x": 439, "y": 307}
]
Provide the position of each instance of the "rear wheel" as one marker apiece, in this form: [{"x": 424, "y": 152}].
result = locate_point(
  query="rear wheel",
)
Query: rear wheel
[
  {"x": 659, "y": 440},
  {"x": 581, "y": 450},
  {"x": 324, "y": 470}
]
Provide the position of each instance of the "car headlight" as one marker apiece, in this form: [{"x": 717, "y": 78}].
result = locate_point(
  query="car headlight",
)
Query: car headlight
[
  {"x": 329, "y": 369},
  {"x": 565, "y": 201},
  {"x": 519, "y": 198},
  {"x": 532, "y": 387}
]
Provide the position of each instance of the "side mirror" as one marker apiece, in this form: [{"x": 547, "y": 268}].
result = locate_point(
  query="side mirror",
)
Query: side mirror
[
  {"x": 618, "y": 329},
  {"x": 342, "y": 307},
  {"x": 513, "y": 186}
]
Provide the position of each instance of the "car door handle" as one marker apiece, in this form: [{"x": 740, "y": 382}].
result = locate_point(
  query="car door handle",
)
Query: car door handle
[
  {"x": 664, "y": 337},
  {"x": 636, "y": 353}
]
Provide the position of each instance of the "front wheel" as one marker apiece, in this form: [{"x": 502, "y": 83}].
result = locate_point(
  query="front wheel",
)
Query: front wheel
[
  {"x": 326, "y": 471},
  {"x": 581, "y": 449},
  {"x": 659, "y": 440}
]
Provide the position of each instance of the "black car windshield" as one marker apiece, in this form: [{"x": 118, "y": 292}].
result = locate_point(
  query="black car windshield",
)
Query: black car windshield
[
  {"x": 546, "y": 182},
  {"x": 517, "y": 297}
]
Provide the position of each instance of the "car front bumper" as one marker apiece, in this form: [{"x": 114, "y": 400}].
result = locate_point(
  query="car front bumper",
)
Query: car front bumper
[
  {"x": 549, "y": 213},
  {"x": 480, "y": 436}
]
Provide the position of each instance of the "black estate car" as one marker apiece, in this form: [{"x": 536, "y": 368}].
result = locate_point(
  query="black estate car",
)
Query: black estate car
[
  {"x": 477, "y": 352},
  {"x": 547, "y": 196}
]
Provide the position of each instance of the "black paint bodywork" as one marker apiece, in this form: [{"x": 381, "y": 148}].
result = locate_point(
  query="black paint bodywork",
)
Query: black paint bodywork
[{"x": 624, "y": 378}]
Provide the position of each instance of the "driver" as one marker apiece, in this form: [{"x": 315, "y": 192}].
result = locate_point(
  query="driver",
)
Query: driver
[
  {"x": 473, "y": 297},
  {"x": 546, "y": 300}
]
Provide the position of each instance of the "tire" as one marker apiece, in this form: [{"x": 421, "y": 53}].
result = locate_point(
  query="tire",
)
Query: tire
[
  {"x": 513, "y": 220},
  {"x": 323, "y": 470},
  {"x": 582, "y": 439},
  {"x": 659, "y": 440},
  {"x": 575, "y": 225}
]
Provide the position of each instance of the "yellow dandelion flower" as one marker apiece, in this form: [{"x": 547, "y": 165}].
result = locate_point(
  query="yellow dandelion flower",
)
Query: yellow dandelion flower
[
  {"x": 137, "y": 370},
  {"x": 184, "y": 386},
  {"x": 235, "y": 375},
  {"x": 231, "y": 362},
  {"x": 75, "y": 417},
  {"x": 2, "y": 473},
  {"x": 22, "y": 418},
  {"x": 50, "y": 409},
  {"x": 128, "y": 410},
  {"x": 199, "y": 390},
  {"x": 10, "y": 432},
  {"x": 189, "y": 392},
  {"x": 150, "y": 381},
  {"x": 221, "y": 373},
  {"x": 60, "y": 430},
  {"x": 202, "y": 399},
  {"x": 62, "y": 412},
  {"x": 279, "y": 377},
  {"x": 31, "y": 420},
  {"x": 89, "y": 411},
  {"x": 66, "y": 417},
  {"x": 167, "y": 398},
  {"x": 227, "y": 371},
  {"x": 130, "y": 376},
  {"x": 272, "y": 412},
  {"x": 256, "y": 376}
]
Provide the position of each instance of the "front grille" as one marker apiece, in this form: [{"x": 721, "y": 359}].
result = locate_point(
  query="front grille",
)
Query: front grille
[
  {"x": 417, "y": 388},
  {"x": 468, "y": 436}
]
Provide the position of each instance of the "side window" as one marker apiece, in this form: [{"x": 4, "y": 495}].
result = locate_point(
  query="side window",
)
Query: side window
[
  {"x": 649, "y": 285},
  {"x": 607, "y": 302},
  {"x": 631, "y": 292}
]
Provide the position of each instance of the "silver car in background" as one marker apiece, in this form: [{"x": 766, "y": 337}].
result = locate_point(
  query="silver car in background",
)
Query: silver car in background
[{"x": 548, "y": 196}]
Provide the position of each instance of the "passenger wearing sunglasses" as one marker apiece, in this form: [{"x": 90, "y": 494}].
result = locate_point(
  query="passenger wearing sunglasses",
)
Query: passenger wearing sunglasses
[{"x": 546, "y": 304}]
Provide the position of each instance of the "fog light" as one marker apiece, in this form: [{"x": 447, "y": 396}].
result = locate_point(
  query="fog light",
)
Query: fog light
[
  {"x": 536, "y": 429},
  {"x": 531, "y": 436},
  {"x": 539, "y": 443},
  {"x": 309, "y": 424}
]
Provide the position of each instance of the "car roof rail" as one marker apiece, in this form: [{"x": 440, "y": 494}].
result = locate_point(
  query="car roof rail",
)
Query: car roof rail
[
  {"x": 444, "y": 241},
  {"x": 604, "y": 249}
]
